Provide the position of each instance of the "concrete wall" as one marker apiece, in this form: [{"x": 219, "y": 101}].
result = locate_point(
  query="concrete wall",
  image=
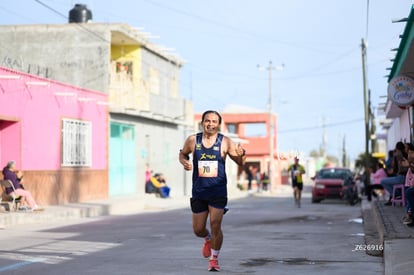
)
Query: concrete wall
[
  {"x": 399, "y": 130},
  {"x": 66, "y": 185},
  {"x": 84, "y": 55},
  {"x": 31, "y": 112},
  {"x": 162, "y": 79},
  {"x": 68, "y": 53},
  {"x": 158, "y": 144}
]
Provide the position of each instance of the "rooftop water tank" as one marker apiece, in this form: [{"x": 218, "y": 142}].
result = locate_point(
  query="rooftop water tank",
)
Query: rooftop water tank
[{"x": 80, "y": 14}]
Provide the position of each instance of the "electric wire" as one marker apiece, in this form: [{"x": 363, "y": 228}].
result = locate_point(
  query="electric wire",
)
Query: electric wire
[
  {"x": 246, "y": 32},
  {"x": 329, "y": 125},
  {"x": 224, "y": 73}
]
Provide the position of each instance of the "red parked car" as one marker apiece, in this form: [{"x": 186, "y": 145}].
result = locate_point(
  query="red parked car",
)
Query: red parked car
[{"x": 329, "y": 183}]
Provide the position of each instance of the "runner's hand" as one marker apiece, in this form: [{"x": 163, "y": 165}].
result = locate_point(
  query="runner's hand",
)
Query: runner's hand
[
  {"x": 239, "y": 150},
  {"x": 187, "y": 165}
]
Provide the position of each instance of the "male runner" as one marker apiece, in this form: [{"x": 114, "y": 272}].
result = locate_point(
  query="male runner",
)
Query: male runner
[
  {"x": 209, "y": 191},
  {"x": 296, "y": 171}
]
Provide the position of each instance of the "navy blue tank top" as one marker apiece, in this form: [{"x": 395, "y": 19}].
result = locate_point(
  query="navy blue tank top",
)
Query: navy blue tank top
[{"x": 209, "y": 170}]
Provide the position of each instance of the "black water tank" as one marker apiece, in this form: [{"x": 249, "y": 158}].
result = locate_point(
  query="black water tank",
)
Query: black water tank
[{"x": 80, "y": 14}]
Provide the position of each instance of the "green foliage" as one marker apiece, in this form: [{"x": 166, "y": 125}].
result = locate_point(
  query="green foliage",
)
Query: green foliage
[{"x": 365, "y": 160}]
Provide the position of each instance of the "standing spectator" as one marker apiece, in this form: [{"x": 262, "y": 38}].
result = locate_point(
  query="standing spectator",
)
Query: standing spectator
[
  {"x": 258, "y": 178},
  {"x": 249, "y": 174}
]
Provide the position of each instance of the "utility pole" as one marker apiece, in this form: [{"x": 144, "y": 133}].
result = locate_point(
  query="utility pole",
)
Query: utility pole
[
  {"x": 324, "y": 139},
  {"x": 367, "y": 134},
  {"x": 272, "y": 129},
  {"x": 364, "y": 56},
  {"x": 270, "y": 68}
]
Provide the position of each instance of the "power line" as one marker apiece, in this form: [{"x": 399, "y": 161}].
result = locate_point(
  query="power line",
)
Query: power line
[
  {"x": 8, "y": 11},
  {"x": 319, "y": 127},
  {"x": 233, "y": 28}
]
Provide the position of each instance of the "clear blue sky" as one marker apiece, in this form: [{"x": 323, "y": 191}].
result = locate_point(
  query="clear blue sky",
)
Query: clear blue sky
[{"x": 223, "y": 41}]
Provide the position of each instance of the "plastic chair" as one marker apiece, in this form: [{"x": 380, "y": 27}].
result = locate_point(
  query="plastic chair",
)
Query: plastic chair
[
  {"x": 12, "y": 196},
  {"x": 394, "y": 200}
]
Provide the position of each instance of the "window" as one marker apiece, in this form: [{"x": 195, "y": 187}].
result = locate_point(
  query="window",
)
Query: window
[
  {"x": 232, "y": 128},
  {"x": 125, "y": 132},
  {"x": 76, "y": 143},
  {"x": 124, "y": 67},
  {"x": 154, "y": 78},
  {"x": 255, "y": 129}
]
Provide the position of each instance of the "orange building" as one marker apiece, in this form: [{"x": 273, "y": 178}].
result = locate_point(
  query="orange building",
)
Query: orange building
[{"x": 253, "y": 128}]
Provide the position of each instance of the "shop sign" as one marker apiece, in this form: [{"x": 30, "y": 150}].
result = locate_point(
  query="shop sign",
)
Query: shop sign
[{"x": 401, "y": 90}]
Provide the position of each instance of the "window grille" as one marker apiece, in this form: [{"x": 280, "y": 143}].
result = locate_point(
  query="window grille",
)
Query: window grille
[{"x": 76, "y": 143}]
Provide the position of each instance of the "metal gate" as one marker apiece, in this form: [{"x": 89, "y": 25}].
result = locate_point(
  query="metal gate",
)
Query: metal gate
[{"x": 122, "y": 160}]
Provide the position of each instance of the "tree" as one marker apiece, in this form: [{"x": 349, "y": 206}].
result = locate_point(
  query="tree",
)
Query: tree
[
  {"x": 365, "y": 160},
  {"x": 344, "y": 155},
  {"x": 323, "y": 158}
]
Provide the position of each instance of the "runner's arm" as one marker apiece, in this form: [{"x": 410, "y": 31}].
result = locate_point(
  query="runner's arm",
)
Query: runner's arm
[
  {"x": 236, "y": 152},
  {"x": 184, "y": 155}
]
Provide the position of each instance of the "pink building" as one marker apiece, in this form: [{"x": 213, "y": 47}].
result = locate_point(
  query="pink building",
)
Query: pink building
[{"x": 57, "y": 134}]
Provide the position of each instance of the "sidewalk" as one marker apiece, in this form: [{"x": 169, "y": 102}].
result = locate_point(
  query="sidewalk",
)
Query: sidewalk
[
  {"x": 384, "y": 229},
  {"x": 120, "y": 205}
]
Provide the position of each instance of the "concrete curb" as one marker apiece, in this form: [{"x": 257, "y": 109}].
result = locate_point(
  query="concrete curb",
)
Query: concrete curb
[
  {"x": 371, "y": 236},
  {"x": 383, "y": 226}
]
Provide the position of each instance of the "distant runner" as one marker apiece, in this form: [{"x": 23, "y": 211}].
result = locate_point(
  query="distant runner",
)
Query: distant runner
[{"x": 296, "y": 171}]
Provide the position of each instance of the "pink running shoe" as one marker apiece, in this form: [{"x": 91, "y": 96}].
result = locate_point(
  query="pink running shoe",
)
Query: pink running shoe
[
  {"x": 206, "y": 249},
  {"x": 213, "y": 265}
]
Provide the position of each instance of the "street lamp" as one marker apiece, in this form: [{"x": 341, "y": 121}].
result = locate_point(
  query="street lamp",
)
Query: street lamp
[{"x": 271, "y": 68}]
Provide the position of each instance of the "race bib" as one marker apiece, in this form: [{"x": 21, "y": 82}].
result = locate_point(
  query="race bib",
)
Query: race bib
[{"x": 207, "y": 168}]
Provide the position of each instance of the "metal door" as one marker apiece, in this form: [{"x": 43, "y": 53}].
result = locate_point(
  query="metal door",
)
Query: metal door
[{"x": 122, "y": 160}]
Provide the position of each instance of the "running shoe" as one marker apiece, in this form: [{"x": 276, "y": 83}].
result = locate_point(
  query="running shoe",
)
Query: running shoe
[
  {"x": 206, "y": 249},
  {"x": 24, "y": 208},
  {"x": 38, "y": 208},
  {"x": 408, "y": 220},
  {"x": 213, "y": 265},
  {"x": 226, "y": 208}
]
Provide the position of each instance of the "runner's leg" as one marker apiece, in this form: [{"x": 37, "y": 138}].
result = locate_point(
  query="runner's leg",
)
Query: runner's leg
[
  {"x": 199, "y": 224},
  {"x": 216, "y": 218}
]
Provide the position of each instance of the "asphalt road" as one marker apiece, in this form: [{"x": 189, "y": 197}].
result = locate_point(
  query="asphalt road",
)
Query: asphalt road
[{"x": 262, "y": 235}]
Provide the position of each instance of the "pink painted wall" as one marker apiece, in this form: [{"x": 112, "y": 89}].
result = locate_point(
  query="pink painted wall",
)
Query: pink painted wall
[
  {"x": 38, "y": 111},
  {"x": 9, "y": 139}
]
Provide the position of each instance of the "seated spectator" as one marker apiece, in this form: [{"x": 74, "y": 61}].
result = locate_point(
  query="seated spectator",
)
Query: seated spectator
[
  {"x": 409, "y": 189},
  {"x": 409, "y": 196},
  {"x": 389, "y": 164},
  {"x": 16, "y": 177},
  {"x": 401, "y": 166},
  {"x": 377, "y": 173},
  {"x": 158, "y": 185}
]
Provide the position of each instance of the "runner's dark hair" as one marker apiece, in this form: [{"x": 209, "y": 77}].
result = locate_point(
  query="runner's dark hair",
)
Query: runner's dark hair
[{"x": 210, "y": 112}]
